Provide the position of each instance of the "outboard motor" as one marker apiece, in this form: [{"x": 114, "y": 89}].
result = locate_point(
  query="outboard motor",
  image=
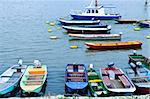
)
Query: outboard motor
[
  {"x": 134, "y": 68},
  {"x": 110, "y": 65},
  {"x": 20, "y": 61},
  {"x": 139, "y": 64},
  {"x": 91, "y": 66},
  {"x": 134, "y": 52},
  {"x": 37, "y": 63}
]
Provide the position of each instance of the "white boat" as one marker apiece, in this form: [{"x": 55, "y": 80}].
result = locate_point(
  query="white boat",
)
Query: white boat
[
  {"x": 87, "y": 30},
  {"x": 94, "y": 11},
  {"x": 95, "y": 36},
  {"x": 9, "y": 80},
  {"x": 79, "y": 22},
  {"x": 115, "y": 80}
]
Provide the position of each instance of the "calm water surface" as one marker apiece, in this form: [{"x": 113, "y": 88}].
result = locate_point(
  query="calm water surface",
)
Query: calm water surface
[{"x": 23, "y": 34}]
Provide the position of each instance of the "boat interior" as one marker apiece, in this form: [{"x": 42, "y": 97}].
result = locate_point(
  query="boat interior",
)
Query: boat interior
[
  {"x": 115, "y": 79},
  {"x": 76, "y": 73}
]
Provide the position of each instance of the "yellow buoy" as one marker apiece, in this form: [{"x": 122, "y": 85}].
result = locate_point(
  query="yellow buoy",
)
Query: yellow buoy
[
  {"x": 73, "y": 47},
  {"x": 49, "y": 30},
  {"x": 148, "y": 37},
  {"x": 137, "y": 29},
  {"x": 58, "y": 28},
  {"x": 52, "y": 23}
]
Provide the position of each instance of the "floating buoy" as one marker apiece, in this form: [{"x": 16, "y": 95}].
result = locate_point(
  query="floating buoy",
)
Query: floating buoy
[
  {"x": 137, "y": 29},
  {"x": 148, "y": 37},
  {"x": 47, "y": 22},
  {"x": 58, "y": 28},
  {"x": 73, "y": 47},
  {"x": 49, "y": 30},
  {"x": 52, "y": 23},
  {"x": 134, "y": 24},
  {"x": 54, "y": 37}
]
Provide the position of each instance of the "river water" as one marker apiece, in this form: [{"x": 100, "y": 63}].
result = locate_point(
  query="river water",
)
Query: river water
[{"x": 23, "y": 34}]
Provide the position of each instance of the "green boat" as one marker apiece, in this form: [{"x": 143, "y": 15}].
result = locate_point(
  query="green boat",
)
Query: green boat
[
  {"x": 34, "y": 78},
  {"x": 95, "y": 83},
  {"x": 134, "y": 58}
]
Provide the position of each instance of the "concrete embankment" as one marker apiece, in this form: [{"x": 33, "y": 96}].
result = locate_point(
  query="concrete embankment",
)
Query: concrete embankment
[{"x": 62, "y": 97}]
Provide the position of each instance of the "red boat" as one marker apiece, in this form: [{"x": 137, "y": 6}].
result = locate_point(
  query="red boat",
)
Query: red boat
[
  {"x": 116, "y": 81},
  {"x": 115, "y": 45}
]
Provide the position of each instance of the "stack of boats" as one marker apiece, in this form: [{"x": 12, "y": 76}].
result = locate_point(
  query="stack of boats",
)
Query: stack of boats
[
  {"x": 30, "y": 79},
  {"x": 87, "y": 25}
]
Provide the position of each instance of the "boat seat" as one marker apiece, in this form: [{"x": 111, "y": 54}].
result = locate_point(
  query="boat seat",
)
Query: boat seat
[
  {"x": 94, "y": 84},
  {"x": 104, "y": 72},
  {"x": 125, "y": 81},
  {"x": 33, "y": 82},
  {"x": 106, "y": 80},
  {"x": 76, "y": 79},
  {"x": 118, "y": 72},
  {"x": 92, "y": 74},
  {"x": 75, "y": 75},
  {"x": 34, "y": 75}
]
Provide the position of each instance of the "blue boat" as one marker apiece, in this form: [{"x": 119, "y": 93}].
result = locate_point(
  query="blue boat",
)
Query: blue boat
[
  {"x": 76, "y": 79},
  {"x": 145, "y": 24},
  {"x": 95, "y": 12},
  {"x": 9, "y": 80},
  {"x": 79, "y": 22}
]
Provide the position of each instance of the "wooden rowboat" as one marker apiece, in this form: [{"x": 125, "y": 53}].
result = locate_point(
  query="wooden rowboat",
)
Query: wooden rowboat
[
  {"x": 79, "y": 22},
  {"x": 139, "y": 58},
  {"x": 95, "y": 36},
  {"x": 116, "y": 81},
  {"x": 145, "y": 23},
  {"x": 140, "y": 76},
  {"x": 96, "y": 84},
  {"x": 9, "y": 80},
  {"x": 101, "y": 29},
  {"x": 126, "y": 21},
  {"x": 33, "y": 79},
  {"x": 76, "y": 80},
  {"x": 116, "y": 45}
]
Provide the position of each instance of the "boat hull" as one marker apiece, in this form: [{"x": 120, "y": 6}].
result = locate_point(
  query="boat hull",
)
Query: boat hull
[
  {"x": 144, "y": 24},
  {"x": 33, "y": 86},
  {"x": 112, "y": 47},
  {"x": 142, "y": 90},
  {"x": 95, "y": 37},
  {"x": 126, "y": 21},
  {"x": 80, "y": 17},
  {"x": 79, "y": 23}
]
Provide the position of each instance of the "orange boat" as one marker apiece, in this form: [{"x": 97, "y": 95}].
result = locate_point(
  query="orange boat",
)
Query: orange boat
[{"x": 116, "y": 45}]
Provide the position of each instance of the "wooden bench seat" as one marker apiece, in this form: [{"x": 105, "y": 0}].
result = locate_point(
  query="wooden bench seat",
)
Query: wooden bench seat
[
  {"x": 76, "y": 79},
  {"x": 125, "y": 81},
  {"x": 107, "y": 82},
  {"x": 33, "y": 82}
]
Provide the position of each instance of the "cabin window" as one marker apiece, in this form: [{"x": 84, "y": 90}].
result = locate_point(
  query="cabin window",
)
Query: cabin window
[
  {"x": 92, "y": 11},
  {"x": 96, "y": 11},
  {"x": 88, "y": 11}
]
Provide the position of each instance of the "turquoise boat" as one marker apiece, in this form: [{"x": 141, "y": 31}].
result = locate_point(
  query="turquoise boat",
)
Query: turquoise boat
[
  {"x": 9, "y": 80},
  {"x": 33, "y": 79}
]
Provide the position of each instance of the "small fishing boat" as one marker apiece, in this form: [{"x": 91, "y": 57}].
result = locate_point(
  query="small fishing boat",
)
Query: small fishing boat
[
  {"x": 115, "y": 80},
  {"x": 140, "y": 76},
  {"x": 76, "y": 79},
  {"x": 126, "y": 21},
  {"x": 133, "y": 58},
  {"x": 9, "y": 80},
  {"x": 33, "y": 79},
  {"x": 145, "y": 23},
  {"x": 95, "y": 36},
  {"x": 96, "y": 84},
  {"x": 88, "y": 30},
  {"x": 79, "y": 22},
  {"x": 114, "y": 45},
  {"x": 94, "y": 11}
]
